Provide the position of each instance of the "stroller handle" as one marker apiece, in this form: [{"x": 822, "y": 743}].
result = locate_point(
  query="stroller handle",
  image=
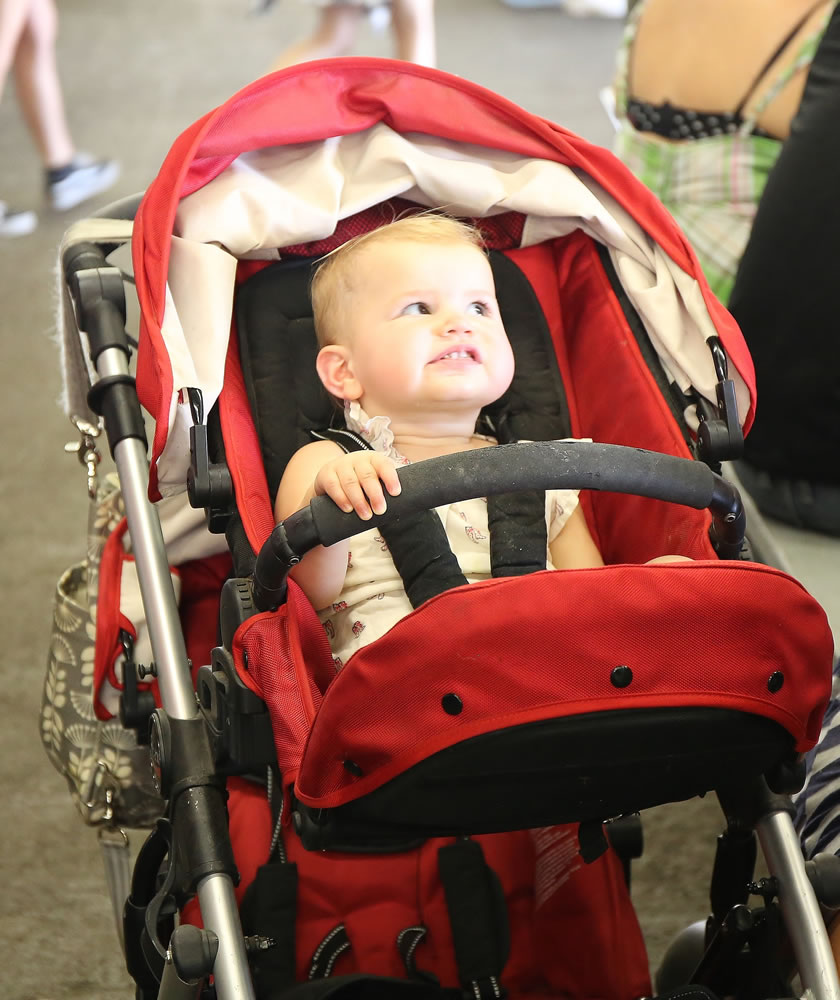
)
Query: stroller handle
[{"x": 509, "y": 468}]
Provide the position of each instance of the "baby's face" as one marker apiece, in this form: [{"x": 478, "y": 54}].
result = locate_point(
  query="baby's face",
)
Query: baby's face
[{"x": 424, "y": 331}]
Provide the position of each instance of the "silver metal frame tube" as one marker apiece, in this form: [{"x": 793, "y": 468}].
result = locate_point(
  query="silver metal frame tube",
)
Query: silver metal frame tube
[
  {"x": 800, "y": 909},
  {"x": 220, "y": 914},
  {"x": 165, "y": 631},
  {"x": 219, "y": 911}
]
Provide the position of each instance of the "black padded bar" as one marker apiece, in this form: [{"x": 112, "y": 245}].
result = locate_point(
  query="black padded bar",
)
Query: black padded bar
[{"x": 538, "y": 465}]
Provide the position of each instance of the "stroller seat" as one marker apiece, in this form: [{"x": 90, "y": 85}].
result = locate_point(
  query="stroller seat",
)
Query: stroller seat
[
  {"x": 503, "y": 708},
  {"x": 707, "y": 721}
]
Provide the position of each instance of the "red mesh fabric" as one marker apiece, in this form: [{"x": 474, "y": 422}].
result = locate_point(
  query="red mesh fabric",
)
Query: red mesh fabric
[
  {"x": 198, "y": 609},
  {"x": 552, "y": 898},
  {"x": 284, "y": 656},
  {"x": 613, "y": 399},
  {"x": 495, "y": 644},
  {"x": 500, "y": 231}
]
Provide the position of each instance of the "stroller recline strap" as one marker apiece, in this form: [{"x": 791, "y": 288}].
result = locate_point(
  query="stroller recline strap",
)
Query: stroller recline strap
[{"x": 478, "y": 918}]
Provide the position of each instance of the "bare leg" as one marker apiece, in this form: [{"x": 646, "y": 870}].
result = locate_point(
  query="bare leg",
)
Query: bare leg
[
  {"x": 334, "y": 36},
  {"x": 414, "y": 30},
  {"x": 38, "y": 86},
  {"x": 13, "y": 15}
]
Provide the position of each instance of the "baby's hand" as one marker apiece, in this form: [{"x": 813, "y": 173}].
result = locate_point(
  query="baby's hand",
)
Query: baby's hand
[{"x": 354, "y": 481}]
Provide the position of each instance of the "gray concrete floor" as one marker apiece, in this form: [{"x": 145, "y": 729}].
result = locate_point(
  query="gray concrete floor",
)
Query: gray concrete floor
[{"x": 135, "y": 75}]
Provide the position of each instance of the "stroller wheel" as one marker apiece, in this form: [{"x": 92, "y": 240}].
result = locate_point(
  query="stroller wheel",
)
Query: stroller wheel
[{"x": 681, "y": 958}]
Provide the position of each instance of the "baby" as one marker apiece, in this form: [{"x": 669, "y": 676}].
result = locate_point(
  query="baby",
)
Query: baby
[{"x": 413, "y": 345}]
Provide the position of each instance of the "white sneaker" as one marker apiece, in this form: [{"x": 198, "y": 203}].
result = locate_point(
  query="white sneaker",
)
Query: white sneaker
[
  {"x": 16, "y": 223},
  {"x": 596, "y": 8},
  {"x": 86, "y": 177}
]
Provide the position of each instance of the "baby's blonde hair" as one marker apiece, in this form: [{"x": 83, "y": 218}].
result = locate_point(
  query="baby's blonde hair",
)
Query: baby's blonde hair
[{"x": 332, "y": 280}]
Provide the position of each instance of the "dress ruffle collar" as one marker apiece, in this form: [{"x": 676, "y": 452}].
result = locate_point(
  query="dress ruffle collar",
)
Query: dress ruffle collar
[{"x": 375, "y": 430}]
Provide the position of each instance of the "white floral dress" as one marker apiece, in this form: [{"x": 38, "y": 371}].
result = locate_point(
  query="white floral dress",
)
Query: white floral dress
[{"x": 373, "y": 598}]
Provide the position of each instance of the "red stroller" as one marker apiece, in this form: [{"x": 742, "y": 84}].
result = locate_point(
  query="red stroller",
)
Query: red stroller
[{"x": 582, "y": 701}]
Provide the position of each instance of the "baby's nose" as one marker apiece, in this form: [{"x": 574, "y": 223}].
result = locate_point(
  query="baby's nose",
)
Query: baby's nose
[{"x": 457, "y": 323}]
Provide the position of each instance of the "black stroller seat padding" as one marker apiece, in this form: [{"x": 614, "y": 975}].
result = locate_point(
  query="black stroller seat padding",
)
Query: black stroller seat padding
[{"x": 278, "y": 347}]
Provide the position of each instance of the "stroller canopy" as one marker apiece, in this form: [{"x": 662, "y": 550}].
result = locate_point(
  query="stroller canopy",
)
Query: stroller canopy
[{"x": 284, "y": 161}]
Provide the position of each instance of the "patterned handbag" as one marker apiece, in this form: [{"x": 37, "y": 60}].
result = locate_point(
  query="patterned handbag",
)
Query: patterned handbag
[{"x": 107, "y": 771}]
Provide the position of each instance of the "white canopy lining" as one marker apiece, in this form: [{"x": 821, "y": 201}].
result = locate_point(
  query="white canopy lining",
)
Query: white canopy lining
[{"x": 288, "y": 195}]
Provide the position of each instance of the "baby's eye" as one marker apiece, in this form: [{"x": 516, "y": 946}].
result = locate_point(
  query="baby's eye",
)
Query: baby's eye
[
  {"x": 479, "y": 308},
  {"x": 416, "y": 309}
]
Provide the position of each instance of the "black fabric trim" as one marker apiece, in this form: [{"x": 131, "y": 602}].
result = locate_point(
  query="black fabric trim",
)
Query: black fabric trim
[
  {"x": 328, "y": 952},
  {"x": 534, "y": 408},
  {"x": 277, "y": 348},
  {"x": 346, "y": 440}
]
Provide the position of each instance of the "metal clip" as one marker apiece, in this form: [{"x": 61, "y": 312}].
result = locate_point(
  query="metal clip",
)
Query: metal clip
[
  {"x": 86, "y": 449},
  {"x": 94, "y": 791}
]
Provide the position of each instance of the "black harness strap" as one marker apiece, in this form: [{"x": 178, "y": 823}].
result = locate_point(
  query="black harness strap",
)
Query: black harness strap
[
  {"x": 478, "y": 917},
  {"x": 417, "y": 543},
  {"x": 421, "y": 551},
  {"x": 268, "y": 911},
  {"x": 518, "y": 534},
  {"x": 328, "y": 952}
]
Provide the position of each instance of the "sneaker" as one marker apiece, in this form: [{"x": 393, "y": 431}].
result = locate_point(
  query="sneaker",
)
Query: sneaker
[
  {"x": 16, "y": 223},
  {"x": 596, "y": 8},
  {"x": 80, "y": 180}
]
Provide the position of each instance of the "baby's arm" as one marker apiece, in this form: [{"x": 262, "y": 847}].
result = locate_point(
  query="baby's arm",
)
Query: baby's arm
[
  {"x": 353, "y": 482},
  {"x": 574, "y": 547}
]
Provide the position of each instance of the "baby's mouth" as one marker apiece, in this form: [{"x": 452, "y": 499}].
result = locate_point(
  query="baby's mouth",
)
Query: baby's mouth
[{"x": 458, "y": 354}]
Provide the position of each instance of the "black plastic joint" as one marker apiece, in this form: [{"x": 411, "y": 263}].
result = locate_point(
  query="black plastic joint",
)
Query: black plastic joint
[
  {"x": 197, "y": 802},
  {"x": 193, "y": 952},
  {"x": 275, "y": 559},
  {"x": 115, "y": 398}
]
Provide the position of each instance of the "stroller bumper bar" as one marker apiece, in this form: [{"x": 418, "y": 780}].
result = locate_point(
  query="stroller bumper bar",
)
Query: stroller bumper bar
[{"x": 538, "y": 465}]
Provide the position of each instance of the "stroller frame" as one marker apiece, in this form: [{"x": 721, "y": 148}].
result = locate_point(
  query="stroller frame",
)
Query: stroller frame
[
  {"x": 181, "y": 743},
  {"x": 97, "y": 293}
]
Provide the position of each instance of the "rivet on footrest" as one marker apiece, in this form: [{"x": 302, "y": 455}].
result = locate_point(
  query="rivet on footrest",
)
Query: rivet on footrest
[
  {"x": 775, "y": 681},
  {"x": 621, "y": 676},
  {"x": 452, "y": 704}
]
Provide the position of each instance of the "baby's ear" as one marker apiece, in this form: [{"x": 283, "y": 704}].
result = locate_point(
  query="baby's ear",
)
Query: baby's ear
[{"x": 334, "y": 368}]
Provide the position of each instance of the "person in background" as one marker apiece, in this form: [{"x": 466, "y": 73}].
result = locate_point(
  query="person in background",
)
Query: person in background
[
  {"x": 704, "y": 97},
  {"x": 785, "y": 301},
  {"x": 412, "y": 23},
  {"x": 27, "y": 48}
]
